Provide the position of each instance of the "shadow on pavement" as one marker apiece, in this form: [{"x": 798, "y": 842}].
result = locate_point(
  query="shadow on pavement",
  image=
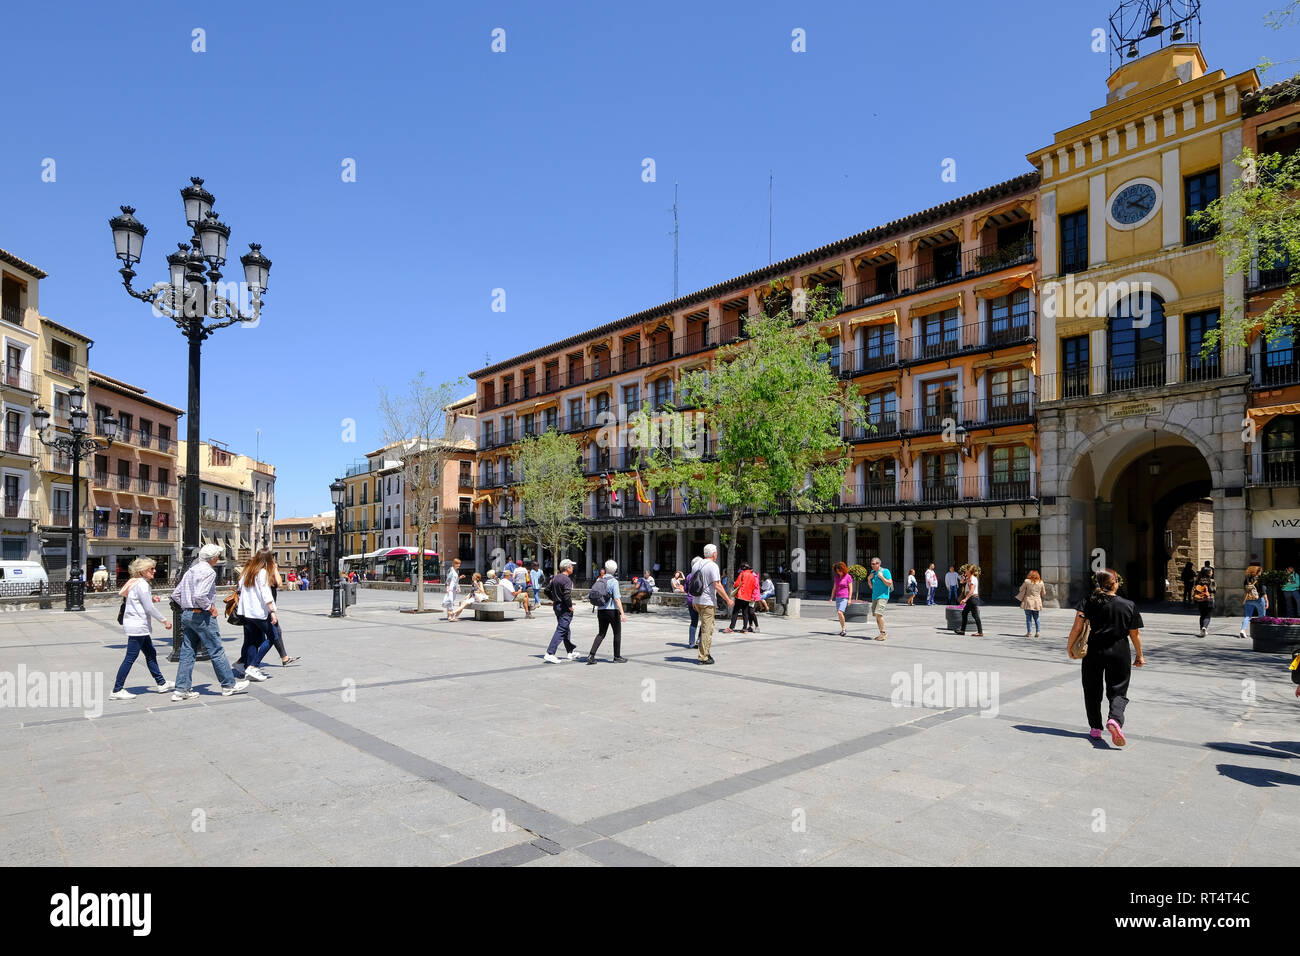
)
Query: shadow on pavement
[{"x": 1257, "y": 777}]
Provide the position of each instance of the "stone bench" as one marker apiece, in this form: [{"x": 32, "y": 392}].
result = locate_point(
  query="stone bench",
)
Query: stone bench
[{"x": 492, "y": 610}]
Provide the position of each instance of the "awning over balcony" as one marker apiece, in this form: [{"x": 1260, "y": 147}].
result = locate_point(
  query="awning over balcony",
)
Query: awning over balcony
[
  {"x": 1027, "y": 360},
  {"x": 909, "y": 452},
  {"x": 1001, "y": 287},
  {"x": 878, "y": 454},
  {"x": 879, "y": 252},
  {"x": 1025, "y": 203},
  {"x": 950, "y": 301},
  {"x": 890, "y": 315},
  {"x": 956, "y": 227},
  {"x": 1266, "y": 414}
]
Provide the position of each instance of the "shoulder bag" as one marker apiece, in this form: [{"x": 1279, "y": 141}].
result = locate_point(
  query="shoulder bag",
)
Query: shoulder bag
[{"x": 1078, "y": 647}]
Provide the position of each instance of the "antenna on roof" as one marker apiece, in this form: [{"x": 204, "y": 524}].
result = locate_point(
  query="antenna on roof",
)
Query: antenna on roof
[
  {"x": 675, "y": 239},
  {"x": 769, "y": 216}
]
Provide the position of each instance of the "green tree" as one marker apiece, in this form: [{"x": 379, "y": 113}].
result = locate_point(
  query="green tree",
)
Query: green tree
[
  {"x": 776, "y": 406},
  {"x": 419, "y": 424},
  {"x": 551, "y": 489}
]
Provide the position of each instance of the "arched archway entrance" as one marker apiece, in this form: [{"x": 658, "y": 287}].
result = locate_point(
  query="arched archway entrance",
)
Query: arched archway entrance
[{"x": 1142, "y": 507}]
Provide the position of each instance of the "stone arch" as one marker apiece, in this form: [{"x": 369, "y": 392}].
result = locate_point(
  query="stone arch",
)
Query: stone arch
[{"x": 1093, "y": 439}]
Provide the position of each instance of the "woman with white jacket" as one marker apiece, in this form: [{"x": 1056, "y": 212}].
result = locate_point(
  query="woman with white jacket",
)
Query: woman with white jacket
[
  {"x": 138, "y": 616},
  {"x": 257, "y": 608}
]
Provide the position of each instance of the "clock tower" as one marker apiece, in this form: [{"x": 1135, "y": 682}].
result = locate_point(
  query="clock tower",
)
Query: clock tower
[{"x": 1143, "y": 462}]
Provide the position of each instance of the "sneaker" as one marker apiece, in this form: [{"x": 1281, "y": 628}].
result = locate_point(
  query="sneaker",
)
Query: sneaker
[
  {"x": 1203, "y": 630},
  {"x": 1028, "y": 636},
  {"x": 574, "y": 655},
  {"x": 254, "y": 673},
  {"x": 709, "y": 661},
  {"x": 551, "y": 659},
  {"x": 185, "y": 695},
  {"x": 620, "y": 660},
  {"x": 239, "y": 687},
  {"x": 1116, "y": 732},
  {"x": 166, "y": 686},
  {"x": 591, "y": 659},
  {"x": 1095, "y": 733},
  {"x": 1243, "y": 633},
  {"x": 122, "y": 694}
]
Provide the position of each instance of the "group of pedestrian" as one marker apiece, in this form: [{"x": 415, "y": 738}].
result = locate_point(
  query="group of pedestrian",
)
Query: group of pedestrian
[{"x": 196, "y": 596}]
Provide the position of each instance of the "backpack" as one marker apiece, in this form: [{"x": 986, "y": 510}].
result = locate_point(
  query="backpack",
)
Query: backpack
[
  {"x": 1252, "y": 593},
  {"x": 1200, "y": 593},
  {"x": 694, "y": 584},
  {"x": 599, "y": 593}
]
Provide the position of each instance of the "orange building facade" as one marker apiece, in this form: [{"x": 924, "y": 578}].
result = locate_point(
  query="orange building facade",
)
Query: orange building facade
[{"x": 938, "y": 331}]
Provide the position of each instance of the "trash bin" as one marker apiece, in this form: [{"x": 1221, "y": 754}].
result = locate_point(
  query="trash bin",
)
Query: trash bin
[
  {"x": 349, "y": 593},
  {"x": 783, "y": 595}
]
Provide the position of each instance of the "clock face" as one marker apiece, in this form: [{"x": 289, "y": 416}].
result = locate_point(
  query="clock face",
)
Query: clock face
[{"x": 1133, "y": 204}]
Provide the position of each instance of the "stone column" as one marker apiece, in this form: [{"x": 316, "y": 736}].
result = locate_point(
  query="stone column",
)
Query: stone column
[
  {"x": 851, "y": 547},
  {"x": 480, "y": 553},
  {"x": 586, "y": 558},
  {"x": 1004, "y": 571},
  {"x": 909, "y": 556},
  {"x": 972, "y": 541},
  {"x": 647, "y": 555},
  {"x": 801, "y": 578},
  {"x": 683, "y": 564},
  {"x": 755, "y": 550}
]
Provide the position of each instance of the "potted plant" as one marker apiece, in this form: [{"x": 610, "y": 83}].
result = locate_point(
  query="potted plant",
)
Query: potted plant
[
  {"x": 858, "y": 610},
  {"x": 1273, "y": 581},
  {"x": 1275, "y": 635}
]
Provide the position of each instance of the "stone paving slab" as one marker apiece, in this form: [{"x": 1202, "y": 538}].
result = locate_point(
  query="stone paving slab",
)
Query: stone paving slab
[{"x": 404, "y": 740}]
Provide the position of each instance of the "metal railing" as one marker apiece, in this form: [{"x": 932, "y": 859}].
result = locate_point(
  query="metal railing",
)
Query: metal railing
[
  {"x": 17, "y": 445},
  {"x": 165, "y": 444},
  {"x": 1175, "y": 368},
  {"x": 879, "y": 426},
  {"x": 13, "y": 376},
  {"x": 66, "y": 367},
  {"x": 971, "y": 337},
  {"x": 12, "y": 313},
  {"x": 1015, "y": 408},
  {"x": 921, "y": 492},
  {"x": 1275, "y": 469},
  {"x": 1276, "y": 368},
  {"x": 21, "y": 508}
]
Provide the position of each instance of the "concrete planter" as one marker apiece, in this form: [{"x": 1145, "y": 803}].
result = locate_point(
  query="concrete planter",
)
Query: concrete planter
[
  {"x": 858, "y": 611},
  {"x": 792, "y": 607},
  {"x": 952, "y": 615},
  {"x": 1272, "y": 635}
]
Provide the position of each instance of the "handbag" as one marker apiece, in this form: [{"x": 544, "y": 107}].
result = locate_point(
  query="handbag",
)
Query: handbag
[
  {"x": 121, "y": 611},
  {"x": 233, "y": 616},
  {"x": 1078, "y": 648}
]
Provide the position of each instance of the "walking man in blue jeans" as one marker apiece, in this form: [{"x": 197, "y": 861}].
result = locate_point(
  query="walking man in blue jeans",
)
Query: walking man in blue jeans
[
  {"x": 561, "y": 588},
  {"x": 197, "y": 595}
]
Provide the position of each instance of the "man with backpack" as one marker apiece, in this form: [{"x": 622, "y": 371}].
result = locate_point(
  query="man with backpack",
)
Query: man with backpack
[
  {"x": 560, "y": 591},
  {"x": 705, "y": 587},
  {"x": 523, "y": 587}
]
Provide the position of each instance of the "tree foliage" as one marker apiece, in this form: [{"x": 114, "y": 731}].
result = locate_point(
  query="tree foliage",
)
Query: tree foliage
[
  {"x": 419, "y": 424},
  {"x": 776, "y": 406},
  {"x": 551, "y": 488},
  {"x": 1258, "y": 223}
]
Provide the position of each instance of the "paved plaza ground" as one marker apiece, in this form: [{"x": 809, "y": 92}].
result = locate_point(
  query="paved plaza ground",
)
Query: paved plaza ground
[{"x": 402, "y": 739}]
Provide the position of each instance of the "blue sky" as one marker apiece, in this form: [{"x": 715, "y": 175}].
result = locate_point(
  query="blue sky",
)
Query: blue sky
[{"x": 477, "y": 170}]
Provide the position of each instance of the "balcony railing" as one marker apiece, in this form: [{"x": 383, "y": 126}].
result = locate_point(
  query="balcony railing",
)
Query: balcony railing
[
  {"x": 145, "y": 438},
  {"x": 123, "y": 482},
  {"x": 465, "y": 518},
  {"x": 1176, "y": 368},
  {"x": 11, "y": 313},
  {"x": 876, "y": 427},
  {"x": 971, "y": 337},
  {"x": 166, "y": 444},
  {"x": 1276, "y": 369},
  {"x": 921, "y": 492},
  {"x": 19, "y": 508},
  {"x": 66, "y": 367},
  {"x": 13, "y": 376},
  {"x": 1016, "y": 408},
  {"x": 17, "y": 445},
  {"x": 164, "y": 532},
  {"x": 144, "y": 531}
]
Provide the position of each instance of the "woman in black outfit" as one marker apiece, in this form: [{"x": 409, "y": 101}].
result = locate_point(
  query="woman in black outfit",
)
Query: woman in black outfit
[{"x": 1115, "y": 621}]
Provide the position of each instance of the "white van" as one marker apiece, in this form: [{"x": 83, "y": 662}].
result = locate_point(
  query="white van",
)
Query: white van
[{"x": 20, "y": 578}]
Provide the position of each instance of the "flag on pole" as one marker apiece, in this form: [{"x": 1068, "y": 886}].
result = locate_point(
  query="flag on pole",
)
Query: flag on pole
[{"x": 641, "y": 495}]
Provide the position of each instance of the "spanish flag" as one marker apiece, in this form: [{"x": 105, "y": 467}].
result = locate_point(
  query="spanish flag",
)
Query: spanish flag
[
  {"x": 641, "y": 495},
  {"x": 479, "y": 499}
]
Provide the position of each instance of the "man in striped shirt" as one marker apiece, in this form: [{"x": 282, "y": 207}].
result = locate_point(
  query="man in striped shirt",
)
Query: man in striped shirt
[{"x": 197, "y": 595}]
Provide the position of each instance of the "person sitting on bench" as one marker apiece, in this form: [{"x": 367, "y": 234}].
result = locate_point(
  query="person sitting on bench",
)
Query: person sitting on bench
[{"x": 640, "y": 594}]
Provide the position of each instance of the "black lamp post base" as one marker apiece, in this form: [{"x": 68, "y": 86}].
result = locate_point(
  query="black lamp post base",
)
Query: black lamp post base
[{"x": 75, "y": 599}]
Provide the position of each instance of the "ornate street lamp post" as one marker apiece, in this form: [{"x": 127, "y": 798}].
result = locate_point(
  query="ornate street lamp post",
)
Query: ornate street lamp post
[
  {"x": 187, "y": 299},
  {"x": 266, "y": 529},
  {"x": 337, "y": 490},
  {"x": 76, "y": 445}
]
